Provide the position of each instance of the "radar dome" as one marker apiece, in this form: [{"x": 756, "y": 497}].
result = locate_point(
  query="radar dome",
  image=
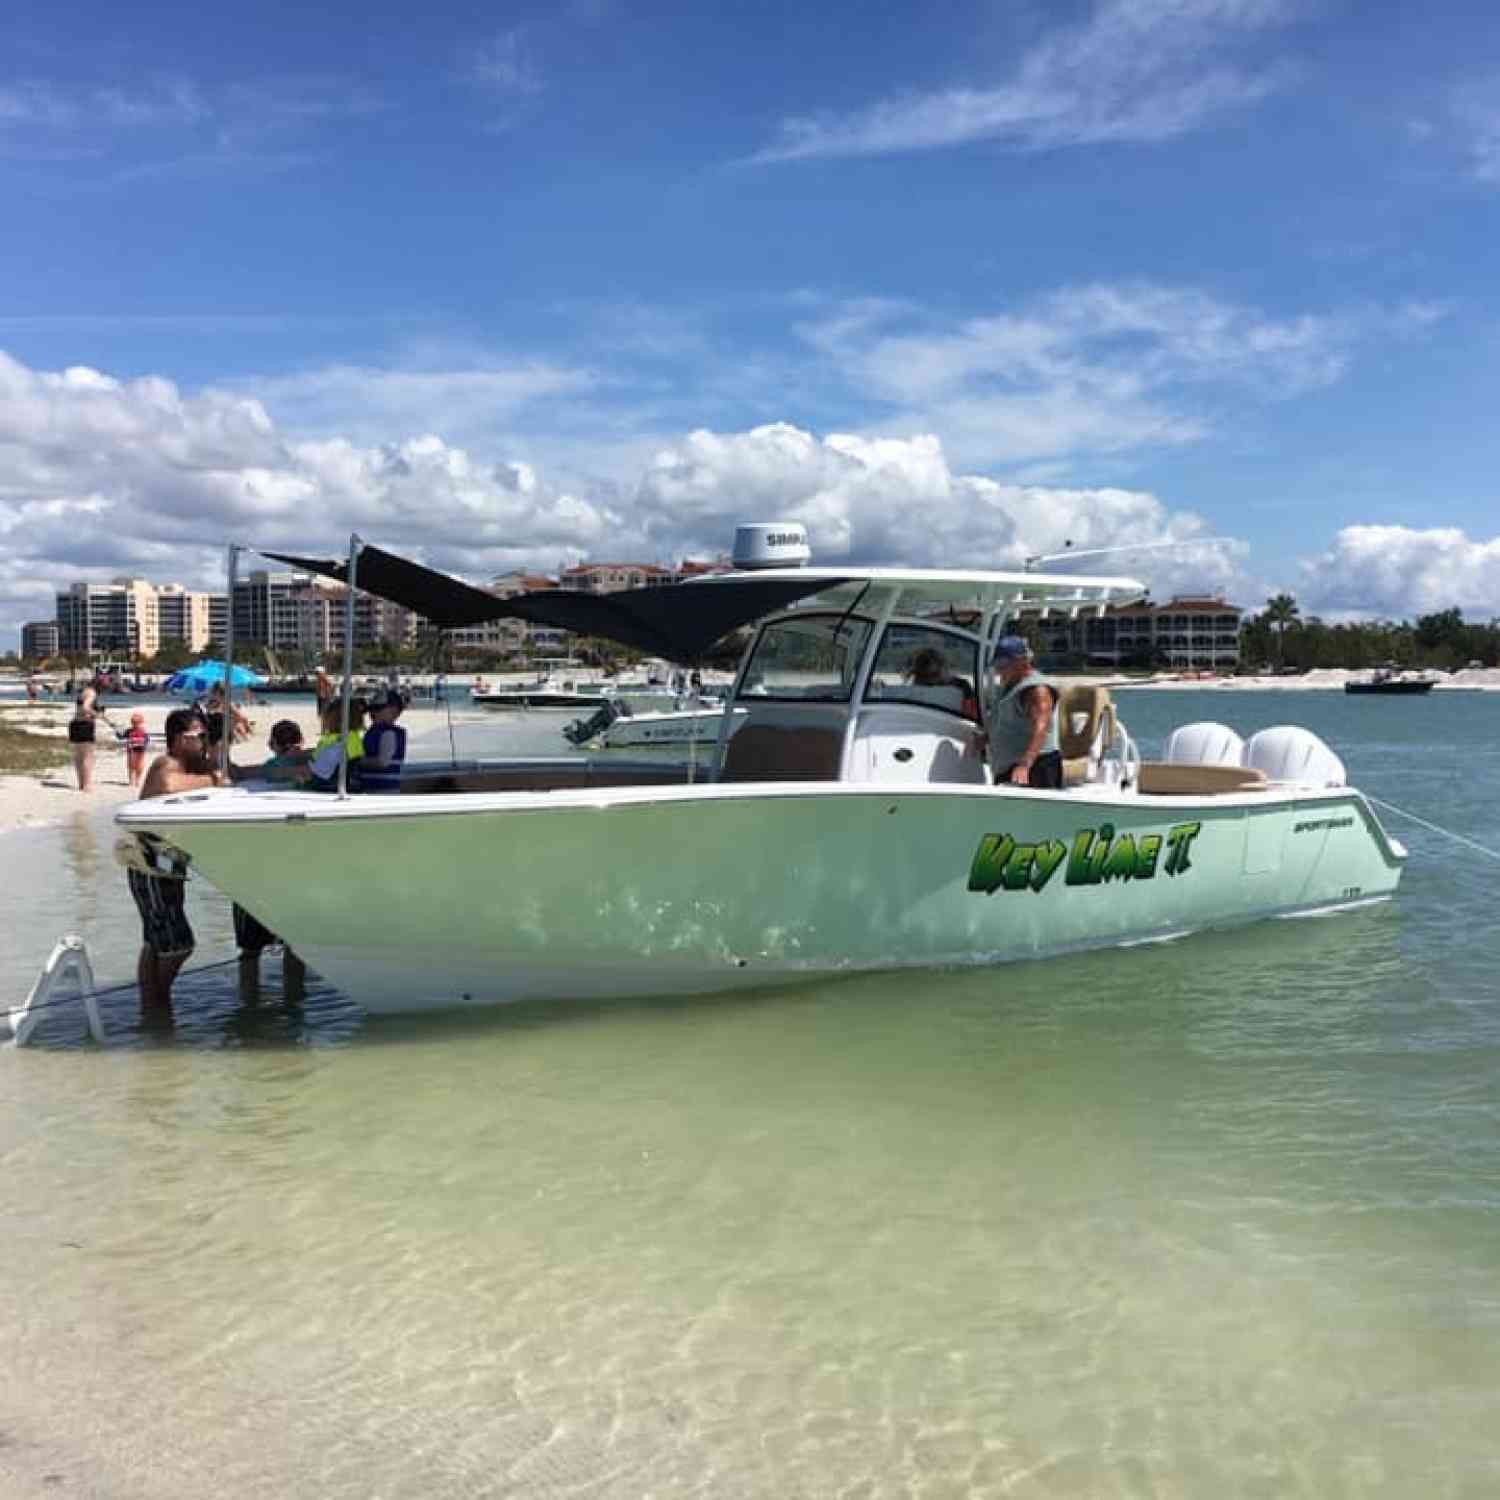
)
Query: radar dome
[{"x": 771, "y": 544}]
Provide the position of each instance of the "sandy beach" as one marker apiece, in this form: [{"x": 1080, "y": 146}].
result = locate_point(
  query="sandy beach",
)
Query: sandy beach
[
  {"x": 46, "y": 798},
  {"x": 49, "y": 797}
]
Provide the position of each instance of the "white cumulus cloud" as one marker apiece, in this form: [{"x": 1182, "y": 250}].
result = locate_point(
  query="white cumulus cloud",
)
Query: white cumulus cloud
[
  {"x": 100, "y": 477},
  {"x": 1401, "y": 572},
  {"x": 890, "y": 500}
]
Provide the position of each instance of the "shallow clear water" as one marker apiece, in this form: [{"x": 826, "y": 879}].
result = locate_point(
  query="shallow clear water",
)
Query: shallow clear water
[{"x": 1215, "y": 1217}]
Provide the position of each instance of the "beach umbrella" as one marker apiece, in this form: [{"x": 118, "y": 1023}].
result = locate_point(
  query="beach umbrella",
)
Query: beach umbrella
[{"x": 200, "y": 678}]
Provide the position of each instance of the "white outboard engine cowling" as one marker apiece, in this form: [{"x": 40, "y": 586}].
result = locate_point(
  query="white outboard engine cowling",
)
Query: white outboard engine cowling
[
  {"x": 1205, "y": 744},
  {"x": 1290, "y": 753}
]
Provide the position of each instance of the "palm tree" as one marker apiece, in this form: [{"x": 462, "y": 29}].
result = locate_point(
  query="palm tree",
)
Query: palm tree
[{"x": 1281, "y": 612}]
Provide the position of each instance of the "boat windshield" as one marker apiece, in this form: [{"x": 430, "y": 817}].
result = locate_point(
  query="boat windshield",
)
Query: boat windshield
[
  {"x": 810, "y": 658},
  {"x": 927, "y": 666}
]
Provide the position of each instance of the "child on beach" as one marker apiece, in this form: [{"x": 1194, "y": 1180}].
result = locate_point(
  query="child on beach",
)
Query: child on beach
[{"x": 136, "y": 740}]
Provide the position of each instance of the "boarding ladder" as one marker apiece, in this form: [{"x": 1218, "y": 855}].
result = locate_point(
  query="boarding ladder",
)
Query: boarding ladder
[{"x": 68, "y": 961}]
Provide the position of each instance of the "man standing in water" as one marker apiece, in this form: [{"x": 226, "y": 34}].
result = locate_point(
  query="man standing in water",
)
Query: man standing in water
[
  {"x": 1022, "y": 720},
  {"x": 156, "y": 879}
]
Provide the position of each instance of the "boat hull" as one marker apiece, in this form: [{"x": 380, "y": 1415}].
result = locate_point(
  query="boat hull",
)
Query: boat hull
[
  {"x": 444, "y": 900},
  {"x": 538, "y": 699},
  {"x": 1395, "y": 689},
  {"x": 688, "y": 726}
]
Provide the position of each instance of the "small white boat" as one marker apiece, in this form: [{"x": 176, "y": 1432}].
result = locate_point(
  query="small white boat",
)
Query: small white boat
[
  {"x": 557, "y": 686},
  {"x": 610, "y": 728},
  {"x": 842, "y": 822}
]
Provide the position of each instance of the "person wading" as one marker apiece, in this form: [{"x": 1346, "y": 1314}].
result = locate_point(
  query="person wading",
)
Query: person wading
[{"x": 156, "y": 879}]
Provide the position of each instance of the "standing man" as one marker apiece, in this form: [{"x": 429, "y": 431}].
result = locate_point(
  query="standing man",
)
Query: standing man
[
  {"x": 1022, "y": 720},
  {"x": 384, "y": 745},
  {"x": 156, "y": 879},
  {"x": 323, "y": 692}
]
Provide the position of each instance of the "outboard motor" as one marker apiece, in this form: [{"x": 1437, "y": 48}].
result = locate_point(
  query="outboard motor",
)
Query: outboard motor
[
  {"x": 580, "y": 731},
  {"x": 1204, "y": 744},
  {"x": 1290, "y": 753}
]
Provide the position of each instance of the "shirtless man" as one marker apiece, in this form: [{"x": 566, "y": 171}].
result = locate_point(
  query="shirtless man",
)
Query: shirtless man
[{"x": 157, "y": 882}]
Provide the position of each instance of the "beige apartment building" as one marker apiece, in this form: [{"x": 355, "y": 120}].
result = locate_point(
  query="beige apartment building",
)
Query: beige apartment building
[
  {"x": 611, "y": 577},
  {"x": 183, "y": 615},
  {"x": 501, "y": 637},
  {"x": 1196, "y": 632},
  {"x": 103, "y": 619}
]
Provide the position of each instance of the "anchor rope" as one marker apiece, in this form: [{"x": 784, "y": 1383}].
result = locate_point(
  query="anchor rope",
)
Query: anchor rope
[
  {"x": 1436, "y": 828},
  {"x": 113, "y": 989}
]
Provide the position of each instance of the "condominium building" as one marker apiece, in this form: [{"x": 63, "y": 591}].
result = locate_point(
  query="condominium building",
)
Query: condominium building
[
  {"x": 501, "y": 637},
  {"x": 377, "y": 622},
  {"x": 691, "y": 567},
  {"x": 610, "y": 578},
  {"x": 296, "y": 613},
  {"x": 40, "y": 639},
  {"x": 183, "y": 615},
  {"x": 118, "y": 618},
  {"x": 1189, "y": 632},
  {"x": 267, "y": 609}
]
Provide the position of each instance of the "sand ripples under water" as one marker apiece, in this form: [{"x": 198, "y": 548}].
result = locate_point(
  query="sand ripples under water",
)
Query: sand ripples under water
[{"x": 1220, "y": 1216}]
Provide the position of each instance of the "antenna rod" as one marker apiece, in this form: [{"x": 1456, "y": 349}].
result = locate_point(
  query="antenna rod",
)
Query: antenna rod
[{"x": 1030, "y": 564}]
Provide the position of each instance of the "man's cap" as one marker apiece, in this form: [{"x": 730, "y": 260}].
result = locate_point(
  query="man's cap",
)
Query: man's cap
[
  {"x": 1011, "y": 648},
  {"x": 390, "y": 698}
]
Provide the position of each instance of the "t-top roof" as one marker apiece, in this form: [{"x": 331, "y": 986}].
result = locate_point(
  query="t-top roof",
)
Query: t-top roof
[
  {"x": 681, "y": 621},
  {"x": 678, "y": 622}
]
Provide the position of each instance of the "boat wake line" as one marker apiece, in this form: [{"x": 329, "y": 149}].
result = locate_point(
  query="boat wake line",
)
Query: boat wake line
[{"x": 1446, "y": 832}]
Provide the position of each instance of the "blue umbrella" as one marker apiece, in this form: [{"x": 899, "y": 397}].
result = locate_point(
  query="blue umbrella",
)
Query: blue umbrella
[{"x": 201, "y": 677}]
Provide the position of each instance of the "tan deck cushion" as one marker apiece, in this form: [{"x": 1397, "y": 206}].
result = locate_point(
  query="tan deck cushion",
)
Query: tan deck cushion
[{"x": 1169, "y": 779}]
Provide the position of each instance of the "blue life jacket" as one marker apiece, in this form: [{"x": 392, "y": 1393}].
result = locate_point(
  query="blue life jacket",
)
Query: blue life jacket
[{"x": 385, "y": 778}]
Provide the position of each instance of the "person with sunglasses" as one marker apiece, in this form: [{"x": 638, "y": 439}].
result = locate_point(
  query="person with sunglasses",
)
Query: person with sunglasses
[{"x": 156, "y": 876}]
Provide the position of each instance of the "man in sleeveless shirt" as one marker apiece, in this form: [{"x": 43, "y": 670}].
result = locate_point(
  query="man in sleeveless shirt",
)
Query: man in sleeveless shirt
[{"x": 1021, "y": 720}]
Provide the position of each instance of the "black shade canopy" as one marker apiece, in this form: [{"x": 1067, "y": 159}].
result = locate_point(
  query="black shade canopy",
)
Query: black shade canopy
[
  {"x": 443, "y": 600},
  {"x": 676, "y": 621}
]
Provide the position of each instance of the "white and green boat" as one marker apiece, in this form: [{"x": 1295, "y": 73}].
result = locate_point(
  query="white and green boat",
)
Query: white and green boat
[{"x": 843, "y": 822}]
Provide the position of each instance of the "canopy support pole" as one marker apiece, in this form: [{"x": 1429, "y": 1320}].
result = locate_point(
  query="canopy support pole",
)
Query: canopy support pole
[
  {"x": 355, "y": 543},
  {"x": 233, "y": 570}
]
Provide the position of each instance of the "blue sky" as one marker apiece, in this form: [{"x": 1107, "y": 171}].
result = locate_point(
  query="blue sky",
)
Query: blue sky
[{"x": 520, "y": 285}]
